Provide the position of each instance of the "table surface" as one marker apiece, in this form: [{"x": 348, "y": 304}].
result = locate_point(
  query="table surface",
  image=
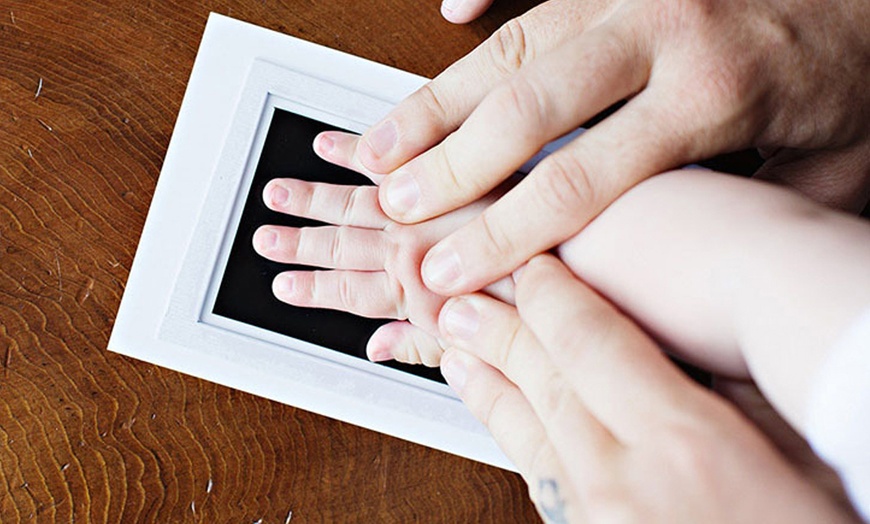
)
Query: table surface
[{"x": 88, "y": 435}]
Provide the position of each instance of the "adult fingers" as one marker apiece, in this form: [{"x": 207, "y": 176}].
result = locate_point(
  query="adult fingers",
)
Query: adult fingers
[
  {"x": 616, "y": 370},
  {"x": 404, "y": 342},
  {"x": 548, "y": 98},
  {"x": 411, "y": 344},
  {"x": 493, "y": 332},
  {"x": 431, "y": 113},
  {"x": 334, "y": 204},
  {"x": 463, "y": 11},
  {"x": 561, "y": 194},
  {"x": 327, "y": 247},
  {"x": 505, "y": 411},
  {"x": 367, "y": 294}
]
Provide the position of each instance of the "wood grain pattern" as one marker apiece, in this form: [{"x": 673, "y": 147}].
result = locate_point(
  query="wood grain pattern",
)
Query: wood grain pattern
[{"x": 91, "y": 436}]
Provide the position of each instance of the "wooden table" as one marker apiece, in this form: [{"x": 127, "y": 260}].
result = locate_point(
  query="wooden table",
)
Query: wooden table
[{"x": 89, "y": 92}]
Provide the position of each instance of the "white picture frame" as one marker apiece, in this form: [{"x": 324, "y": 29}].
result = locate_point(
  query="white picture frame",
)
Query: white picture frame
[{"x": 241, "y": 74}]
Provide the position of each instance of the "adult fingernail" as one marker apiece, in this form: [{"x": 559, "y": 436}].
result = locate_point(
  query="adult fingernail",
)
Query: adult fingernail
[
  {"x": 455, "y": 372},
  {"x": 442, "y": 268},
  {"x": 265, "y": 239},
  {"x": 278, "y": 195},
  {"x": 382, "y": 138},
  {"x": 284, "y": 285},
  {"x": 448, "y": 6},
  {"x": 461, "y": 319},
  {"x": 403, "y": 192}
]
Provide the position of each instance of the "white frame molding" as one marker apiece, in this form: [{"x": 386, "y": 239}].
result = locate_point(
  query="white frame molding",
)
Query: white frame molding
[{"x": 241, "y": 75}]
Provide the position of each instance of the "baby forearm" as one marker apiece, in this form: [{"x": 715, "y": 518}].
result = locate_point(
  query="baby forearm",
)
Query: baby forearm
[{"x": 734, "y": 274}]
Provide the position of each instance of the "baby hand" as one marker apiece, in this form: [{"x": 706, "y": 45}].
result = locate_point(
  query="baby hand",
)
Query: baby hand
[{"x": 372, "y": 263}]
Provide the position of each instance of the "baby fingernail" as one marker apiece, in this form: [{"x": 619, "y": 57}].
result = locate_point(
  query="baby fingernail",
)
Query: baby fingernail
[
  {"x": 382, "y": 138},
  {"x": 284, "y": 285},
  {"x": 265, "y": 239},
  {"x": 442, "y": 269},
  {"x": 380, "y": 354},
  {"x": 325, "y": 144},
  {"x": 403, "y": 193},
  {"x": 278, "y": 195},
  {"x": 461, "y": 319},
  {"x": 454, "y": 371},
  {"x": 448, "y": 6}
]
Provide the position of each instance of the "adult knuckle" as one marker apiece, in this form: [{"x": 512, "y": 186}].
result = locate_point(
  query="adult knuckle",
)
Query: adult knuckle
[
  {"x": 511, "y": 346},
  {"x": 509, "y": 48},
  {"x": 730, "y": 81},
  {"x": 600, "y": 334},
  {"x": 558, "y": 399},
  {"x": 494, "y": 409},
  {"x": 496, "y": 240},
  {"x": 529, "y": 288},
  {"x": 565, "y": 185},
  {"x": 727, "y": 63},
  {"x": 523, "y": 98},
  {"x": 434, "y": 104},
  {"x": 681, "y": 16},
  {"x": 452, "y": 179}
]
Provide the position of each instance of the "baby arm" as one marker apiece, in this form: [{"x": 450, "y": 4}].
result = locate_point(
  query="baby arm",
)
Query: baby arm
[
  {"x": 738, "y": 276},
  {"x": 731, "y": 274}
]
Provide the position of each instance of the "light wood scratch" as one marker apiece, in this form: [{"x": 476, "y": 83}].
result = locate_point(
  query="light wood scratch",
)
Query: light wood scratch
[
  {"x": 38, "y": 89},
  {"x": 86, "y": 291},
  {"x": 12, "y": 16},
  {"x": 50, "y": 130},
  {"x": 59, "y": 278}
]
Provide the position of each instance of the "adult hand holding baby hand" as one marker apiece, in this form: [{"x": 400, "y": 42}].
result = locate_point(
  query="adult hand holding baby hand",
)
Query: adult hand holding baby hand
[
  {"x": 602, "y": 426},
  {"x": 701, "y": 77}
]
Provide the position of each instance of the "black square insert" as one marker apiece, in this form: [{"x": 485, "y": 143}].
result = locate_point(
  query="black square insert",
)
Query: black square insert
[{"x": 245, "y": 292}]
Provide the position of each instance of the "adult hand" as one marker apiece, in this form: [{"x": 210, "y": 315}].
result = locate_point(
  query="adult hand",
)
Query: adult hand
[
  {"x": 701, "y": 77},
  {"x": 602, "y": 427}
]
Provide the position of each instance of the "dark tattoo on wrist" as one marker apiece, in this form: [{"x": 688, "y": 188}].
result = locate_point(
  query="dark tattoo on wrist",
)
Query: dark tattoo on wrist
[{"x": 551, "y": 505}]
